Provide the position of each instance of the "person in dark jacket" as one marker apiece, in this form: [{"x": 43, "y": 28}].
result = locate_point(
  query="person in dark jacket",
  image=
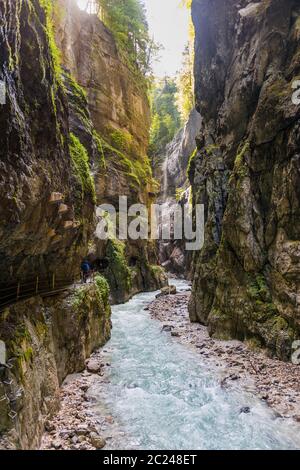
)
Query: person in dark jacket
[{"x": 85, "y": 270}]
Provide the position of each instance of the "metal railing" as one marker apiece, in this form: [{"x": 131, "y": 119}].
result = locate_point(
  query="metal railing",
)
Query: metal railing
[{"x": 12, "y": 293}]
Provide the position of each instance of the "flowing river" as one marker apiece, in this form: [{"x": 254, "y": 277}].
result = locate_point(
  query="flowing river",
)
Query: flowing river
[{"x": 164, "y": 396}]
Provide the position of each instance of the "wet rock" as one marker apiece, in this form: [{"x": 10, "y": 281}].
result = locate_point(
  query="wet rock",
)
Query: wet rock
[
  {"x": 86, "y": 374},
  {"x": 167, "y": 328},
  {"x": 234, "y": 377},
  {"x": 109, "y": 419},
  {"x": 245, "y": 410},
  {"x": 65, "y": 434},
  {"x": 178, "y": 259}
]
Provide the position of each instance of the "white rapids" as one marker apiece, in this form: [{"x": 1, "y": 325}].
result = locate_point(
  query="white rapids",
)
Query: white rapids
[{"x": 164, "y": 396}]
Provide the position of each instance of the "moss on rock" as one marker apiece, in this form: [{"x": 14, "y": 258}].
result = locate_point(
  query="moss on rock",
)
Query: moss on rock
[
  {"x": 49, "y": 7},
  {"x": 103, "y": 287},
  {"x": 191, "y": 165},
  {"x": 80, "y": 160},
  {"x": 119, "y": 272}
]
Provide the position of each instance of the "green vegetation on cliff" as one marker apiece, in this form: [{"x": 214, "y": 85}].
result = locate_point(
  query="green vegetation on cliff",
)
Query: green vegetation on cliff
[
  {"x": 120, "y": 275},
  {"x": 259, "y": 290},
  {"x": 50, "y": 7},
  {"x": 80, "y": 160},
  {"x": 185, "y": 84},
  {"x": 122, "y": 140},
  {"x": 191, "y": 164},
  {"x": 77, "y": 98},
  {"x": 99, "y": 145},
  {"x": 127, "y": 21},
  {"x": 103, "y": 287},
  {"x": 137, "y": 170}
]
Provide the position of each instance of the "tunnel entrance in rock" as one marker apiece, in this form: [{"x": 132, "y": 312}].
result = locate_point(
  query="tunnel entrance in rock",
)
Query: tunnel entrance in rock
[
  {"x": 100, "y": 264},
  {"x": 133, "y": 261}
]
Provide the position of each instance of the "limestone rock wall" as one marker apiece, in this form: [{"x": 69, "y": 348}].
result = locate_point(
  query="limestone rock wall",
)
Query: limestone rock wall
[
  {"x": 173, "y": 164},
  {"x": 246, "y": 171},
  {"x": 37, "y": 174},
  {"x": 47, "y": 219},
  {"x": 85, "y": 105},
  {"x": 170, "y": 168},
  {"x": 120, "y": 113},
  {"x": 117, "y": 99}
]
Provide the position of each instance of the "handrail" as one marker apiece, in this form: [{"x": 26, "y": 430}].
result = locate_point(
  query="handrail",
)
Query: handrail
[{"x": 34, "y": 280}]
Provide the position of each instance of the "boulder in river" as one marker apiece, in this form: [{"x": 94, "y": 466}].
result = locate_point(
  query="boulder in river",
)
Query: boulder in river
[{"x": 169, "y": 290}]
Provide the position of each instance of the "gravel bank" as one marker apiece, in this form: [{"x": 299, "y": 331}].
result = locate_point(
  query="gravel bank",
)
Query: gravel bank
[
  {"x": 77, "y": 426},
  {"x": 275, "y": 382}
]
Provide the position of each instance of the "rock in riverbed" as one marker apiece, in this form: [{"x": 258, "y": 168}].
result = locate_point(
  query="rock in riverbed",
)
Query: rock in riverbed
[
  {"x": 245, "y": 409},
  {"x": 82, "y": 430},
  {"x": 169, "y": 290},
  {"x": 93, "y": 366},
  {"x": 97, "y": 441}
]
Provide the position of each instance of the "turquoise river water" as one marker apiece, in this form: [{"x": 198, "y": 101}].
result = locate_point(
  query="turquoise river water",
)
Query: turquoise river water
[{"x": 164, "y": 396}]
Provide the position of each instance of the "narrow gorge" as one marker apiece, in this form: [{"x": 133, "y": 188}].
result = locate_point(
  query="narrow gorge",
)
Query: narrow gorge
[
  {"x": 156, "y": 346},
  {"x": 74, "y": 134}
]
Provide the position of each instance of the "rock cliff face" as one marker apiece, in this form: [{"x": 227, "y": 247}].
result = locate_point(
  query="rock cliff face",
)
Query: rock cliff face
[
  {"x": 37, "y": 175},
  {"x": 170, "y": 168},
  {"x": 177, "y": 155},
  {"x": 64, "y": 149},
  {"x": 246, "y": 170},
  {"x": 47, "y": 219},
  {"x": 48, "y": 197}
]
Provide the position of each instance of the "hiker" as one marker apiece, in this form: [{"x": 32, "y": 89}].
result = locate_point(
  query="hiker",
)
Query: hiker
[{"x": 85, "y": 270}]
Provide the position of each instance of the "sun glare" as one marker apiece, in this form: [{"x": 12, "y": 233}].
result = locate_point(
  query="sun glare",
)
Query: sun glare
[
  {"x": 82, "y": 4},
  {"x": 88, "y": 5}
]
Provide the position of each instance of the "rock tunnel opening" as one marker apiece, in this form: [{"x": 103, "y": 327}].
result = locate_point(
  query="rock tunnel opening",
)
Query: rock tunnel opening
[
  {"x": 100, "y": 264},
  {"x": 133, "y": 261}
]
